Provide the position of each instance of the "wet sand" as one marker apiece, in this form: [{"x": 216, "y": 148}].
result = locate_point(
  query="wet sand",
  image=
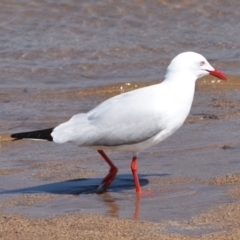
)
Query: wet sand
[{"x": 48, "y": 190}]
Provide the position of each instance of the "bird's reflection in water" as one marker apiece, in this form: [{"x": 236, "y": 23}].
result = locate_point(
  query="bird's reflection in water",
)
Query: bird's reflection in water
[
  {"x": 137, "y": 206},
  {"x": 114, "y": 208}
]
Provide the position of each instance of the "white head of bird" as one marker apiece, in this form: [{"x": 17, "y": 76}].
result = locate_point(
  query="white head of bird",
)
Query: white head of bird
[{"x": 192, "y": 64}]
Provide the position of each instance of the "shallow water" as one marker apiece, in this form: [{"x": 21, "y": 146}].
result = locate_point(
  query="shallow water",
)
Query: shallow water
[
  {"x": 58, "y": 59},
  {"x": 42, "y": 179},
  {"x": 49, "y": 44}
]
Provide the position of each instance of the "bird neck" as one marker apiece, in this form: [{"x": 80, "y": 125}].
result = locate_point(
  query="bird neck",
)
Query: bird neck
[{"x": 181, "y": 86}]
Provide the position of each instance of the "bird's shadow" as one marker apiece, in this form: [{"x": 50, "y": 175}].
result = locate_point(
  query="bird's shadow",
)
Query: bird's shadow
[{"x": 83, "y": 185}]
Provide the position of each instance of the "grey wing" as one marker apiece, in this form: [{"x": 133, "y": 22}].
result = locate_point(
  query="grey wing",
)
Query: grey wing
[
  {"x": 128, "y": 122},
  {"x": 124, "y": 119}
]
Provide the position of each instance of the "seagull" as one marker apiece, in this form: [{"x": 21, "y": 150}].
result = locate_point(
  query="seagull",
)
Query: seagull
[{"x": 135, "y": 120}]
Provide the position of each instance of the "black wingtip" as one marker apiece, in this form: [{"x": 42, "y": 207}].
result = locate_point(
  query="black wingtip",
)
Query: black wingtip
[{"x": 44, "y": 134}]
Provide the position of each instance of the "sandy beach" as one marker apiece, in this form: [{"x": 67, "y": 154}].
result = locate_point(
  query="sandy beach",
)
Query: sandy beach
[{"x": 48, "y": 190}]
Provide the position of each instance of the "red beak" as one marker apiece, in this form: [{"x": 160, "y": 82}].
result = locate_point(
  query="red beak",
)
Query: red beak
[{"x": 217, "y": 73}]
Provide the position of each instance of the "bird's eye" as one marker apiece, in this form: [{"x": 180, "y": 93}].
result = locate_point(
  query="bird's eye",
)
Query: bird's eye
[{"x": 202, "y": 63}]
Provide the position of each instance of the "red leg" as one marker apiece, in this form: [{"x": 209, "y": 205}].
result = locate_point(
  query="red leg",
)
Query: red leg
[
  {"x": 111, "y": 175},
  {"x": 134, "y": 168}
]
